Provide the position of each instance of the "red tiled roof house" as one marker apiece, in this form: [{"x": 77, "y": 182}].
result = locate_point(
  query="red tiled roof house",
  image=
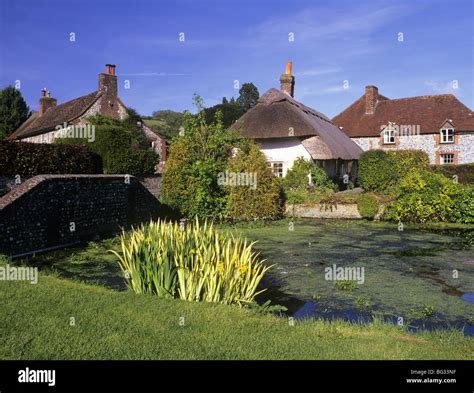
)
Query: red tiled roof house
[{"x": 440, "y": 125}]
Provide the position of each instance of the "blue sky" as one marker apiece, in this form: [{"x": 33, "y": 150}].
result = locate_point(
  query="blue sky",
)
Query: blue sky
[{"x": 248, "y": 41}]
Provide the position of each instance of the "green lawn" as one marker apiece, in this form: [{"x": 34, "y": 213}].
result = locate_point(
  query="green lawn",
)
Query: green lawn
[{"x": 35, "y": 324}]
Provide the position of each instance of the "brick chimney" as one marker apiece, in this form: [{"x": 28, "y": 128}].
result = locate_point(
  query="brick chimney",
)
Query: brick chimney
[
  {"x": 287, "y": 81},
  {"x": 46, "y": 102},
  {"x": 108, "y": 82},
  {"x": 371, "y": 99}
]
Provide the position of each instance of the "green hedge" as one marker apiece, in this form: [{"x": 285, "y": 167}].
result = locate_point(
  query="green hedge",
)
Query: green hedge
[
  {"x": 262, "y": 199},
  {"x": 425, "y": 196},
  {"x": 381, "y": 171},
  {"x": 30, "y": 159},
  {"x": 122, "y": 150},
  {"x": 367, "y": 205},
  {"x": 465, "y": 172}
]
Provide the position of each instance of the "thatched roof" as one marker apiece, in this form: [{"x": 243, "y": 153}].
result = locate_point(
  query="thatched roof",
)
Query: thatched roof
[
  {"x": 55, "y": 116},
  {"x": 277, "y": 115},
  {"x": 428, "y": 112}
]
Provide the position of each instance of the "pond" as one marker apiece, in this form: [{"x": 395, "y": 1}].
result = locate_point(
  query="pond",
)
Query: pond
[{"x": 418, "y": 278}]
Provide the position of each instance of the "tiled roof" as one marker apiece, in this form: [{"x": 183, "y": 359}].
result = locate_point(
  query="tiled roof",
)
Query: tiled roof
[
  {"x": 277, "y": 115},
  {"x": 55, "y": 116},
  {"x": 427, "y": 112}
]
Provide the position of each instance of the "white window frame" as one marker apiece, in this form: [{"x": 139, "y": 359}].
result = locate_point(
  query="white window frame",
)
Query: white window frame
[
  {"x": 442, "y": 158},
  {"x": 445, "y": 136},
  {"x": 388, "y": 134},
  {"x": 272, "y": 164}
]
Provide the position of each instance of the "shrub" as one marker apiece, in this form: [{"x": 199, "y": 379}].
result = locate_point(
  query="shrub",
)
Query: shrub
[
  {"x": 381, "y": 171},
  {"x": 30, "y": 159},
  {"x": 195, "y": 159},
  {"x": 195, "y": 263},
  {"x": 122, "y": 150},
  {"x": 425, "y": 196},
  {"x": 464, "y": 173},
  {"x": 296, "y": 182},
  {"x": 367, "y": 205},
  {"x": 463, "y": 208},
  {"x": 261, "y": 200}
]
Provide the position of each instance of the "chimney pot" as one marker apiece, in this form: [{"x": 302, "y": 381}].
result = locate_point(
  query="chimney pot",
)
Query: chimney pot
[
  {"x": 287, "y": 81},
  {"x": 110, "y": 69},
  {"x": 371, "y": 99}
]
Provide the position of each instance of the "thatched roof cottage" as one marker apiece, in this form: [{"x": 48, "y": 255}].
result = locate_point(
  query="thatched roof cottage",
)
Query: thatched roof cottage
[{"x": 285, "y": 129}]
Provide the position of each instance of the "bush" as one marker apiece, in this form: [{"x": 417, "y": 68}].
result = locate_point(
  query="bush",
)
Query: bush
[
  {"x": 367, "y": 205},
  {"x": 195, "y": 159},
  {"x": 463, "y": 208},
  {"x": 261, "y": 200},
  {"x": 195, "y": 263},
  {"x": 122, "y": 150},
  {"x": 425, "y": 196},
  {"x": 464, "y": 173},
  {"x": 382, "y": 171},
  {"x": 296, "y": 182},
  {"x": 30, "y": 159}
]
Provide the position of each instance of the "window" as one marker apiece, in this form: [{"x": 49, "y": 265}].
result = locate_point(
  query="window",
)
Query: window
[
  {"x": 277, "y": 168},
  {"x": 447, "y": 135},
  {"x": 389, "y": 137},
  {"x": 447, "y": 159}
]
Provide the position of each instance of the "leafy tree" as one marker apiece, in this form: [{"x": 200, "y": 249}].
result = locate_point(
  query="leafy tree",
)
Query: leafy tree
[
  {"x": 233, "y": 109},
  {"x": 230, "y": 111},
  {"x": 13, "y": 111},
  {"x": 248, "y": 96},
  {"x": 189, "y": 181}
]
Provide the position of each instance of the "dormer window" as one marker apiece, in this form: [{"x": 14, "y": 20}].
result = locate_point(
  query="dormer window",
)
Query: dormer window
[
  {"x": 389, "y": 136},
  {"x": 447, "y": 135}
]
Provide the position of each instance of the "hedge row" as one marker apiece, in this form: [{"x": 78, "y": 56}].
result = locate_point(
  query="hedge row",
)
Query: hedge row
[
  {"x": 30, "y": 159},
  {"x": 381, "y": 171},
  {"x": 465, "y": 172}
]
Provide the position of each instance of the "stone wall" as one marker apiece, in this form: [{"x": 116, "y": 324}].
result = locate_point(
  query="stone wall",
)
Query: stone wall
[
  {"x": 463, "y": 148},
  {"x": 346, "y": 211},
  {"x": 48, "y": 211}
]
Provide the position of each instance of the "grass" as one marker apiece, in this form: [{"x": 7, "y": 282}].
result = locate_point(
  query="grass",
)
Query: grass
[{"x": 35, "y": 324}]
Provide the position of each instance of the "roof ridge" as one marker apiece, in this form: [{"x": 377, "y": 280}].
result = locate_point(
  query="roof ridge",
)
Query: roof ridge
[{"x": 425, "y": 96}]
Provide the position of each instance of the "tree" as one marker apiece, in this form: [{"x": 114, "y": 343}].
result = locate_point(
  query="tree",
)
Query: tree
[
  {"x": 248, "y": 96},
  {"x": 230, "y": 111},
  {"x": 190, "y": 178},
  {"x": 233, "y": 109},
  {"x": 13, "y": 111}
]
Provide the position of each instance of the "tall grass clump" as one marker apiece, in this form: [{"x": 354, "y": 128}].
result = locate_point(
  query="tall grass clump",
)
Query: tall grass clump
[{"x": 195, "y": 263}]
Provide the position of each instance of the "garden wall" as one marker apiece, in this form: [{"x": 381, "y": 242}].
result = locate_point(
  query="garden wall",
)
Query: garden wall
[
  {"x": 346, "y": 211},
  {"x": 48, "y": 211}
]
